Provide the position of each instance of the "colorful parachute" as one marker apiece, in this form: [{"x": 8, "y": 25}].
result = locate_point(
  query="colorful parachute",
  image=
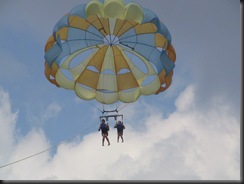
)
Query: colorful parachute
[{"x": 110, "y": 50}]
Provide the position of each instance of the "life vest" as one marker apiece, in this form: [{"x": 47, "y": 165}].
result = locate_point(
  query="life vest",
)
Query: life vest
[
  {"x": 104, "y": 127},
  {"x": 120, "y": 127}
]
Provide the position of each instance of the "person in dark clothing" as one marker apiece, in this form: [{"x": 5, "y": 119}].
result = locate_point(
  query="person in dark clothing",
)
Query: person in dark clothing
[
  {"x": 104, "y": 130},
  {"x": 120, "y": 128}
]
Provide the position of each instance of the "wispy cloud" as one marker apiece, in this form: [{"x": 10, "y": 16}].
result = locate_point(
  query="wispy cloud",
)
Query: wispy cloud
[
  {"x": 46, "y": 113},
  {"x": 52, "y": 110}
]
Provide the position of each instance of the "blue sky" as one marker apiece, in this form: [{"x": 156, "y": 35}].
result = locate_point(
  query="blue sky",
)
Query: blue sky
[{"x": 191, "y": 131}]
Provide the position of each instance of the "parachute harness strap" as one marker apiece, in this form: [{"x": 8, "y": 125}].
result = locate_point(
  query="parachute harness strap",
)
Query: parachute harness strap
[
  {"x": 116, "y": 110},
  {"x": 111, "y": 115}
]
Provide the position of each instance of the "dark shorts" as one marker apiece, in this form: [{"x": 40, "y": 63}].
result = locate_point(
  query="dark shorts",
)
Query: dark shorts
[
  {"x": 104, "y": 133},
  {"x": 120, "y": 132}
]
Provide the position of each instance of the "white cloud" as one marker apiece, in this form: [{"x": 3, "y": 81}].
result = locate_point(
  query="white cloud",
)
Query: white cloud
[
  {"x": 186, "y": 99},
  {"x": 186, "y": 145},
  {"x": 34, "y": 142},
  {"x": 7, "y": 125}
]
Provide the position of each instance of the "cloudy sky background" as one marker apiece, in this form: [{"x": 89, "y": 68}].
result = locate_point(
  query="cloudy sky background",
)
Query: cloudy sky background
[{"x": 191, "y": 131}]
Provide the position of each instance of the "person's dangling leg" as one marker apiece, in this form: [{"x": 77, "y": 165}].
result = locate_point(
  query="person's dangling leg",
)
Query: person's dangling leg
[
  {"x": 103, "y": 141},
  {"x": 108, "y": 140}
]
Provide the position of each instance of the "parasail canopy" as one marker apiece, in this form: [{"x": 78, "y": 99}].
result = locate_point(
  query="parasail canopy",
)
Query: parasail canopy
[{"x": 110, "y": 50}]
